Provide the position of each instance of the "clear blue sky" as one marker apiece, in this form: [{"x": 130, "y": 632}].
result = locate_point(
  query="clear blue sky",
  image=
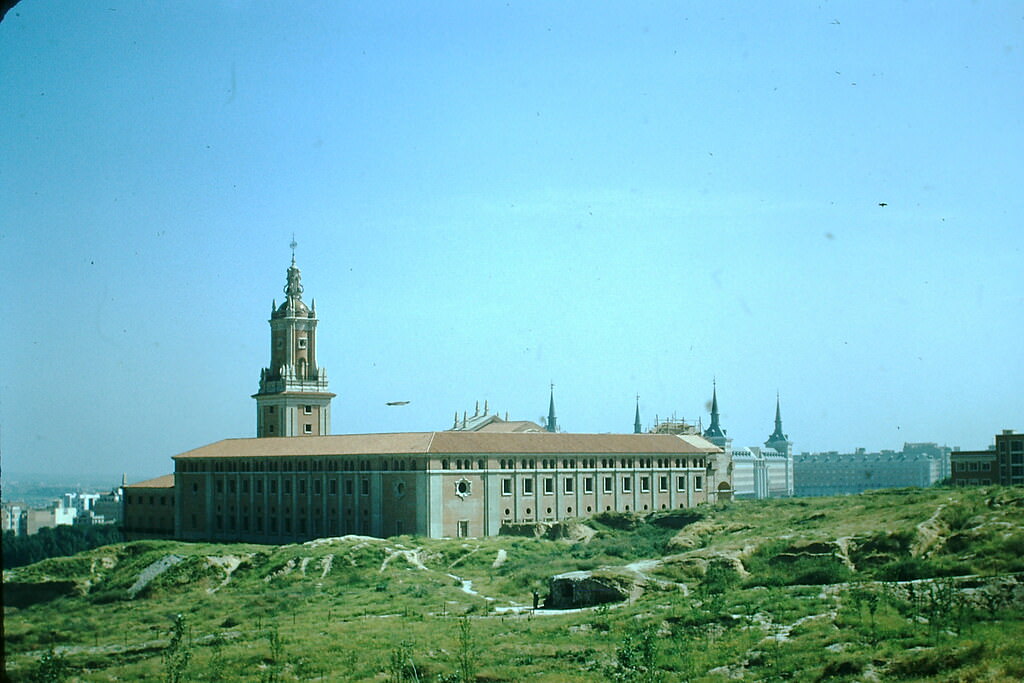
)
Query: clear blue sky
[{"x": 620, "y": 198}]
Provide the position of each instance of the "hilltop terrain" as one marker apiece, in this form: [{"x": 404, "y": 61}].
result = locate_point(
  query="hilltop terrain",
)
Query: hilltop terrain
[{"x": 916, "y": 584}]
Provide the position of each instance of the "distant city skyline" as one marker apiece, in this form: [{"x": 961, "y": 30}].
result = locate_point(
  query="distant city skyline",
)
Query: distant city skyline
[{"x": 489, "y": 198}]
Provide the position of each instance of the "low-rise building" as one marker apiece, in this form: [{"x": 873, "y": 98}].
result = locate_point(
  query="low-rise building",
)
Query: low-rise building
[
  {"x": 1001, "y": 463},
  {"x": 149, "y": 509},
  {"x": 974, "y": 468}
]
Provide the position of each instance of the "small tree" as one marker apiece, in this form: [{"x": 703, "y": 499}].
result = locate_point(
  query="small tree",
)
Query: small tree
[
  {"x": 53, "y": 668},
  {"x": 466, "y": 653},
  {"x": 635, "y": 658},
  {"x": 177, "y": 654}
]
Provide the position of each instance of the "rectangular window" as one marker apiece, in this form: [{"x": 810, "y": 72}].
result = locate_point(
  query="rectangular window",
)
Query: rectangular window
[
  {"x": 463, "y": 528},
  {"x": 527, "y": 487},
  {"x": 627, "y": 484},
  {"x": 286, "y": 486},
  {"x": 316, "y": 487},
  {"x": 549, "y": 486},
  {"x": 663, "y": 483},
  {"x": 307, "y": 428},
  {"x": 333, "y": 487},
  {"x": 270, "y": 409},
  {"x": 364, "y": 487},
  {"x": 245, "y": 486},
  {"x": 348, "y": 487},
  {"x": 607, "y": 485},
  {"x": 259, "y": 486},
  {"x": 680, "y": 483},
  {"x": 231, "y": 486},
  {"x": 308, "y": 410},
  {"x": 645, "y": 484},
  {"x": 986, "y": 467},
  {"x": 698, "y": 483},
  {"x": 302, "y": 485},
  {"x": 506, "y": 487},
  {"x": 273, "y": 486},
  {"x": 567, "y": 485},
  {"x": 220, "y": 488},
  {"x": 588, "y": 484}
]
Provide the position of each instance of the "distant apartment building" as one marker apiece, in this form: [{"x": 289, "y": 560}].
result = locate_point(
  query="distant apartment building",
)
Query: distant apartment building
[
  {"x": 834, "y": 473},
  {"x": 1001, "y": 463},
  {"x": 56, "y": 515},
  {"x": 13, "y": 518}
]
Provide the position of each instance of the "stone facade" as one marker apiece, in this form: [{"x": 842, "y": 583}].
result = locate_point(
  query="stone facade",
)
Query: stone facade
[{"x": 437, "y": 484}]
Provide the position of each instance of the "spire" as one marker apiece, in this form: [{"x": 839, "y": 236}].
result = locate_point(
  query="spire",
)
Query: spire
[
  {"x": 714, "y": 429},
  {"x": 777, "y": 435},
  {"x": 636, "y": 421},
  {"x": 552, "y": 425}
]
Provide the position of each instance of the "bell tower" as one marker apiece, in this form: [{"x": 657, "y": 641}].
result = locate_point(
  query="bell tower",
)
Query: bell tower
[{"x": 293, "y": 399}]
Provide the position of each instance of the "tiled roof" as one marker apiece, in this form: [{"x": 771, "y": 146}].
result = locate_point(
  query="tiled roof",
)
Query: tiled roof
[
  {"x": 455, "y": 442},
  {"x": 164, "y": 482}
]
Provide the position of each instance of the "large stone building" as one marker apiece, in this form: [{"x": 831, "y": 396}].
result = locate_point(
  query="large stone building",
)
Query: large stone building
[{"x": 468, "y": 481}]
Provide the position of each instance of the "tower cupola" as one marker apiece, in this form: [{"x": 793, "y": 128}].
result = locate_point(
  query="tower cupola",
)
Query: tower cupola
[{"x": 293, "y": 399}]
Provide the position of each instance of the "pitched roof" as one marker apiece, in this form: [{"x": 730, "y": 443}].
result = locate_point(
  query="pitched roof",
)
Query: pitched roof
[
  {"x": 163, "y": 482},
  {"x": 454, "y": 442}
]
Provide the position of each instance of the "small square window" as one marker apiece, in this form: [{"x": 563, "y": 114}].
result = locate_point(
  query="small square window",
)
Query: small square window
[
  {"x": 302, "y": 342},
  {"x": 308, "y": 410},
  {"x": 307, "y": 428}
]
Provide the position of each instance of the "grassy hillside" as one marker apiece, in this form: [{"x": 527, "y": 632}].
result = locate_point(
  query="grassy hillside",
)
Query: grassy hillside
[{"x": 910, "y": 584}]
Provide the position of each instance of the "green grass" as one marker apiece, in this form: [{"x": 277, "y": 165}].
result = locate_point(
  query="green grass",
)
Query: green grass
[{"x": 765, "y": 590}]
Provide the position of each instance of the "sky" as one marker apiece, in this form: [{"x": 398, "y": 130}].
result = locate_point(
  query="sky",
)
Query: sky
[{"x": 816, "y": 201}]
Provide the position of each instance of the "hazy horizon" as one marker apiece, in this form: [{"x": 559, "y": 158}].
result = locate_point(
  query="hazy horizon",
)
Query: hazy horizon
[{"x": 817, "y": 201}]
